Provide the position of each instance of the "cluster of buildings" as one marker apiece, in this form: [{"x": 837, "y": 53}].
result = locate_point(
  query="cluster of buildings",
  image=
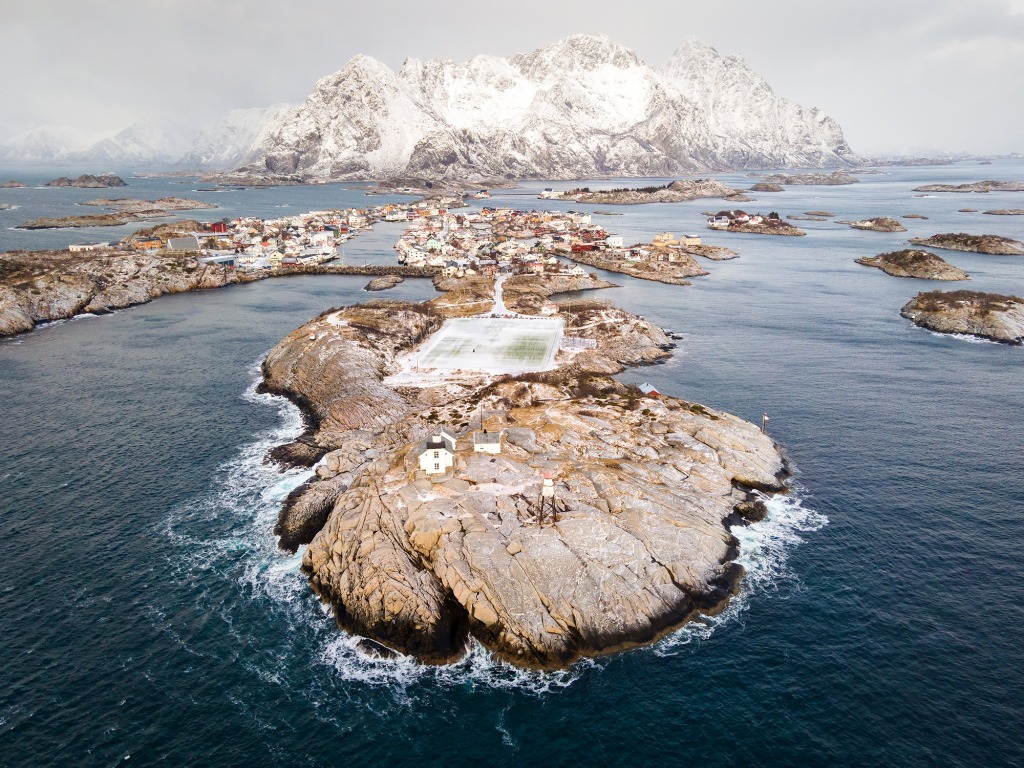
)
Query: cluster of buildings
[
  {"x": 739, "y": 219},
  {"x": 509, "y": 241}
]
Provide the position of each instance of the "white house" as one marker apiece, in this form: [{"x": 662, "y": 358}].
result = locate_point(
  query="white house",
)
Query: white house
[
  {"x": 82, "y": 247},
  {"x": 614, "y": 241},
  {"x": 487, "y": 442},
  {"x": 437, "y": 453}
]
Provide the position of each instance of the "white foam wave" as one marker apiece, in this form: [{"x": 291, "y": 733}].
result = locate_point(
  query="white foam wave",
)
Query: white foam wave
[
  {"x": 479, "y": 667},
  {"x": 62, "y": 321},
  {"x": 764, "y": 555},
  {"x": 964, "y": 337}
]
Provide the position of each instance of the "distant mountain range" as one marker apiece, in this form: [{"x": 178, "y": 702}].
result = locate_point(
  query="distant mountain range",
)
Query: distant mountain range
[{"x": 582, "y": 107}]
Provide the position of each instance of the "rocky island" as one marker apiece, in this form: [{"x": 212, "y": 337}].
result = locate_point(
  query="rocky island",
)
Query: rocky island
[
  {"x": 977, "y": 186},
  {"x": 1006, "y": 212},
  {"x": 11, "y": 185},
  {"x": 674, "y": 192},
  {"x": 89, "y": 181},
  {"x": 877, "y": 224},
  {"x": 914, "y": 263},
  {"x": 384, "y": 282},
  {"x": 986, "y": 315},
  {"x": 673, "y": 268},
  {"x": 960, "y": 241},
  {"x": 126, "y": 211},
  {"x": 835, "y": 178},
  {"x": 739, "y": 221},
  {"x": 762, "y": 186},
  {"x": 426, "y": 524}
]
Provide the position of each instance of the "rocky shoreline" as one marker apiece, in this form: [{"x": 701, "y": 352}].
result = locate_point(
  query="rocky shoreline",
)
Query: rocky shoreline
[
  {"x": 648, "y": 489},
  {"x": 985, "y": 315}
]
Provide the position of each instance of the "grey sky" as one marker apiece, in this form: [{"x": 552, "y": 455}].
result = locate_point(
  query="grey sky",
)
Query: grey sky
[{"x": 899, "y": 76}]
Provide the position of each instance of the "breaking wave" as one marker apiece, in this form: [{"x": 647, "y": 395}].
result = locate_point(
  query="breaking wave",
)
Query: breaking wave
[{"x": 764, "y": 554}]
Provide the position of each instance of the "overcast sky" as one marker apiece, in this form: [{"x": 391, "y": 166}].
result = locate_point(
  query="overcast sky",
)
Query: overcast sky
[{"x": 900, "y": 76}]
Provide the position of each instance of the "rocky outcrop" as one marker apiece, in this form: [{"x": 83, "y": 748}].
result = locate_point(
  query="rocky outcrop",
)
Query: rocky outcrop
[
  {"x": 763, "y": 186},
  {"x": 960, "y": 241},
  {"x": 11, "y": 185},
  {"x": 877, "y": 224},
  {"x": 977, "y": 186},
  {"x": 89, "y": 181},
  {"x": 674, "y": 192},
  {"x": 836, "y": 178},
  {"x": 914, "y": 263},
  {"x": 384, "y": 283},
  {"x": 1006, "y": 212},
  {"x": 646, "y": 490},
  {"x": 712, "y": 252},
  {"x": 987, "y": 315},
  {"x": 40, "y": 286}
]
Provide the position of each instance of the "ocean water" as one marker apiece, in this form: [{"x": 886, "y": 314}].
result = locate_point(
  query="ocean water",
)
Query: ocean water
[{"x": 147, "y": 616}]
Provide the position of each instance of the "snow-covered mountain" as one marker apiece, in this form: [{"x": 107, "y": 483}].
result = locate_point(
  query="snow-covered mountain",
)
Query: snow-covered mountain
[
  {"x": 581, "y": 107},
  {"x": 232, "y": 140},
  {"x": 144, "y": 142},
  {"x": 45, "y": 144}
]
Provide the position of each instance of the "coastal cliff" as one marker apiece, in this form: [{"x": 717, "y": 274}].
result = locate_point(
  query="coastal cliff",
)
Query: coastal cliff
[{"x": 647, "y": 489}]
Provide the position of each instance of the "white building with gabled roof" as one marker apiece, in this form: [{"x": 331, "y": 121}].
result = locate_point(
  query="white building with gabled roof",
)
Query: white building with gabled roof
[{"x": 436, "y": 454}]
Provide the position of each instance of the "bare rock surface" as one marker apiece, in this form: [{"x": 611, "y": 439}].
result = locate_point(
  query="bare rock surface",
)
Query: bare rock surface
[
  {"x": 914, "y": 263},
  {"x": 1006, "y": 212},
  {"x": 987, "y": 315},
  {"x": 961, "y": 241},
  {"x": 763, "y": 186}
]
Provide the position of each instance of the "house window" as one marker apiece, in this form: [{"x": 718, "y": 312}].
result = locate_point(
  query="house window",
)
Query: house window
[
  {"x": 437, "y": 454},
  {"x": 437, "y": 467}
]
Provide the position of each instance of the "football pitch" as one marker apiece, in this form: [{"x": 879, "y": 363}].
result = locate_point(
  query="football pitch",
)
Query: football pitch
[{"x": 494, "y": 344}]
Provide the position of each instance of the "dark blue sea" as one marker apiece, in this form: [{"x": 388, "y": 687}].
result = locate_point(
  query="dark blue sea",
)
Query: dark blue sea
[{"x": 147, "y": 617}]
